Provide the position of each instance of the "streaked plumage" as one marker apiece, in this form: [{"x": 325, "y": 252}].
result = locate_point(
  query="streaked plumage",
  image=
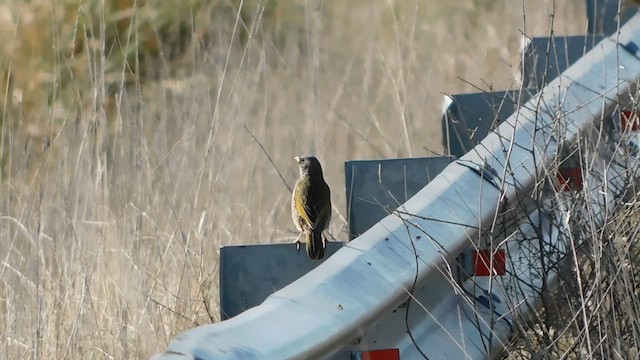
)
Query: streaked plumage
[{"x": 311, "y": 206}]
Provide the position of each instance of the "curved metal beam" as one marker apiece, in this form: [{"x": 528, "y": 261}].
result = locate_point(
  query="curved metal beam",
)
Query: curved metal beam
[{"x": 329, "y": 309}]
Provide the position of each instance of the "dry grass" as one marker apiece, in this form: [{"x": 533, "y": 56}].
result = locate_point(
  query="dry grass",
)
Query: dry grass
[
  {"x": 592, "y": 311},
  {"x": 125, "y": 162}
]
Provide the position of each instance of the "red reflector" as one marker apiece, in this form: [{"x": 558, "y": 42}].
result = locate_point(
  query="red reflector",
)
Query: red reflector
[
  {"x": 629, "y": 116},
  {"x": 386, "y": 354},
  {"x": 570, "y": 178},
  {"x": 482, "y": 266}
]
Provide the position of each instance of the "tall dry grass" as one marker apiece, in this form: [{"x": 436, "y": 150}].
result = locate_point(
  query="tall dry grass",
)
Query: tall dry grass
[
  {"x": 591, "y": 310},
  {"x": 126, "y": 163}
]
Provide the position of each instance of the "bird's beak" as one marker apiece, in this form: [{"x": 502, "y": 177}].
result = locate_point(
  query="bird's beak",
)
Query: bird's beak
[{"x": 297, "y": 158}]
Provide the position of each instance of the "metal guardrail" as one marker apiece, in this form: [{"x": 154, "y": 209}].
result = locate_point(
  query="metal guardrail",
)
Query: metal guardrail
[{"x": 337, "y": 306}]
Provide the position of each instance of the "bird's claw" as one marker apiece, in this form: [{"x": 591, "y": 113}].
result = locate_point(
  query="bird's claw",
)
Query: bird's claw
[{"x": 297, "y": 242}]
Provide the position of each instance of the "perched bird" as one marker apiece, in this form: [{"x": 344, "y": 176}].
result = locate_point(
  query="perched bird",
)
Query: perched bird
[{"x": 311, "y": 206}]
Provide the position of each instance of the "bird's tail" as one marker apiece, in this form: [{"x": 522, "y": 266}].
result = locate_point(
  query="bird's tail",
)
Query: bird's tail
[{"x": 315, "y": 245}]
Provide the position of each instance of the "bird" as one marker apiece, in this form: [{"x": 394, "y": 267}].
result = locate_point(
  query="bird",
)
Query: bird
[{"x": 311, "y": 206}]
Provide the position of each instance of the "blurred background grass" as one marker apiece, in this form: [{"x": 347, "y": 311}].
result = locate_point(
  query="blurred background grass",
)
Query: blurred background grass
[{"x": 125, "y": 163}]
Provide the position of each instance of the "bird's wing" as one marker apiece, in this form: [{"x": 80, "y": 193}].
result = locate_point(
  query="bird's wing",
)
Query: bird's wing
[
  {"x": 323, "y": 212},
  {"x": 302, "y": 210}
]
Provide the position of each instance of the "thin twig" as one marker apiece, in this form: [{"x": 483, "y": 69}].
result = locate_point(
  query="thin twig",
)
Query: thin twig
[{"x": 268, "y": 157}]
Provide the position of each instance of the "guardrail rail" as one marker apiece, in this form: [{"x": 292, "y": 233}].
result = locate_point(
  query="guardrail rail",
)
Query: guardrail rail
[{"x": 398, "y": 285}]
